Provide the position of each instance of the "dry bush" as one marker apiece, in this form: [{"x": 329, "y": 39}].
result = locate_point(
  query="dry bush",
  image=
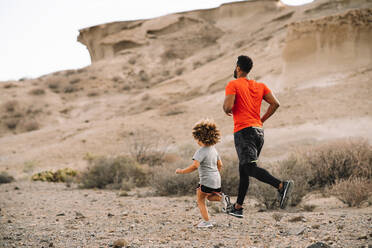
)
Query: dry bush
[
  {"x": 147, "y": 147},
  {"x": 37, "y": 92},
  {"x": 295, "y": 167},
  {"x": 352, "y": 191},
  {"x": 230, "y": 175},
  {"x": 180, "y": 70},
  {"x": 75, "y": 81},
  {"x": 339, "y": 160},
  {"x": 10, "y": 106},
  {"x": 53, "y": 85},
  {"x": 70, "y": 89},
  {"x": 318, "y": 168},
  {"x": 92, "y": 94},
  {"x": 5, "y": 177},
  {"x": 69, "y": 72},
  {"x": 12, "y": 123},
  {"x": 31, "y": 125},
  {"x": 9, "y": 85},
  {"x": 111, "y": 173},
  {"x": 166, "y": 182}
]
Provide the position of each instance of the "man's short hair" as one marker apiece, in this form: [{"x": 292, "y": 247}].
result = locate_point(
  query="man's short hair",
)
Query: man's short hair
[{"x": 245, "y": 63}]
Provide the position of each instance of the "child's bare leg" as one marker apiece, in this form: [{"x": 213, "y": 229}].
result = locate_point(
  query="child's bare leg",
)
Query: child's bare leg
[
  {"x": 201, "y": 204},
  {"x": 214, "y": 197}
]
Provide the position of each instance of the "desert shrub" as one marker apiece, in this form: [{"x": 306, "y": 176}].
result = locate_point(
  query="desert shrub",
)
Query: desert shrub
[
  {"x": 230, "y": 175},
  {"x": 179, "y": 71},
  {"x": 143, "y": 76},
  {"x": 5, "y": 177},
  {"x": 37, "y": 92},
  {"x": 61, "y": 175},
  {"x": 53, "y": 85},
  {"x": 147, "y": 147},
  {"x": 12, "y": 123},
  {"x": 132, "y": 60},
  {"x": 75, "y": 81},
  {"x": 31, "y": 125},
  {"x": 166, "y": 182},
  {"x": 295, "y": 167},
  {"x": 93, "y": 93},
  {"x": 9, "y": 85},
  {"x": 106, "y": 172},
  {"x": 352, "y": 191},
  {"x": 70, "y": 89},
  {"x": 339, "y": 160},
  {"x": 318, "y": 168},
  {"x": 116, "y": 79},
  {"x": 11, "y": 105},
  {"x": 69, "y": 72}
]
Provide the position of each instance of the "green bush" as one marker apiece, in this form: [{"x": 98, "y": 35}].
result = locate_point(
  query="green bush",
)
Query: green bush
[
  {"x": 5, "y": 178},
  {"x": 106, "y": 172},
  {"x": 61, "y": 175}
]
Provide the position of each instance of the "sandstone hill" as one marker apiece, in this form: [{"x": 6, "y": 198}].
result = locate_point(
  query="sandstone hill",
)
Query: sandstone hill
[{"x": 164, "y": 74}]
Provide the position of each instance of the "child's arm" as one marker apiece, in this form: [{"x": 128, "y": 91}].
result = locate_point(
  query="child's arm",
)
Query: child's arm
[
  {"x": 219, "y": 165},
  {"x": 189, "y": 169}
]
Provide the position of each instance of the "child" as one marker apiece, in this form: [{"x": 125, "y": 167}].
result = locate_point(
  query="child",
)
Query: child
[{"x": 209, "y": 165}]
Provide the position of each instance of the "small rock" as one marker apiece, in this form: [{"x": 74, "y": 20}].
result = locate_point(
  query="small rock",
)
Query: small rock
[
  {"x": 51, "y": 245},
  {"x": 316, "y": 226},
  {"x": 318, "y": 245},
  {"x": 79, "y": 215},
  {"x": 297, "y": 231},
  {"x": 277, "y": 216},
  {"x": 16, "y": 188},
  {"x": 120, "y": 243},
  {"x": 297, "y": 218},
  {"x": 61, "y": 214},
  {"x": 362, "y": 237},
  {"x": 110, "y": 215}
]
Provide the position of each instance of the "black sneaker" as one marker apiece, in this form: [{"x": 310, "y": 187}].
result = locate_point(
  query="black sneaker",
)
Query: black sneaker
[
  {"x": 285, "y": 193},
  {"x": 236, "y": 212}
]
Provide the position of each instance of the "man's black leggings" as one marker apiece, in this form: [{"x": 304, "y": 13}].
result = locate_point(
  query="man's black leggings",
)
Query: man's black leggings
[
  {"x": 248, "y": 144},
  {"x": 252, "y": 170}
]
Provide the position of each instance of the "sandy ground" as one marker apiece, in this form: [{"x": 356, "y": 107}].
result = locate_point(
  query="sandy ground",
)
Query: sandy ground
[{"x": 36, "y": 214}]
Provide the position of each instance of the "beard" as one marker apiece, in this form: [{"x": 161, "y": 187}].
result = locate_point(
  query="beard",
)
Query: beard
[{"x": 235, "y": 75}]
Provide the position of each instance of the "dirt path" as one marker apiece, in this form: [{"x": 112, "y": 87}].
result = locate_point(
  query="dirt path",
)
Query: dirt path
[{"x": 35, "y": 214}]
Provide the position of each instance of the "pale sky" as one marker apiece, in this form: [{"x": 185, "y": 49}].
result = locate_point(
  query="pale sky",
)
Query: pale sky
[{"x": 40, "y": 36}]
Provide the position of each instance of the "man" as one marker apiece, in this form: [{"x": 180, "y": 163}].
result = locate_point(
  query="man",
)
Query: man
[{"x": 243, "y": 100}]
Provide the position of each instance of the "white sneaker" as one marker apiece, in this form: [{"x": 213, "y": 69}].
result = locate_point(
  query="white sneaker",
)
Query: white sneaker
[
  {"x": 226, "y": 204},
  {"x": 204, "y": 224}
]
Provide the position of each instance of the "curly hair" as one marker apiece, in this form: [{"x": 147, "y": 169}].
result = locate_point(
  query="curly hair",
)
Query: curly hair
[{"x": 206, "y": 131}]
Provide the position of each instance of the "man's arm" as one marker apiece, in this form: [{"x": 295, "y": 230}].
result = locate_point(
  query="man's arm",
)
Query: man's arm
[
  {"x": 274, "y": 105},
  {"x": 228, "y": 104}
]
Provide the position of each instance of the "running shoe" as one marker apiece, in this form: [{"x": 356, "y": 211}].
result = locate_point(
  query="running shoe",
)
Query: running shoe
[
  {"x": 236, "y": 212},
  {"x": 204, "y": 224},
  {"x": 226, "y": 204},
  {"x": 285, "y": 193}
]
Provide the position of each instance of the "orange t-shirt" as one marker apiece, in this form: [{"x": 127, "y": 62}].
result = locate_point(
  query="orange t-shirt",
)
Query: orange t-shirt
[{"x": 247, "y": 105}]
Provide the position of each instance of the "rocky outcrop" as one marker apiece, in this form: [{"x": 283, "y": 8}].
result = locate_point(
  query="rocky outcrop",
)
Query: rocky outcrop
[
  {"x": 328, "y": 45},
  {"x": 178, "y": 35}
]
